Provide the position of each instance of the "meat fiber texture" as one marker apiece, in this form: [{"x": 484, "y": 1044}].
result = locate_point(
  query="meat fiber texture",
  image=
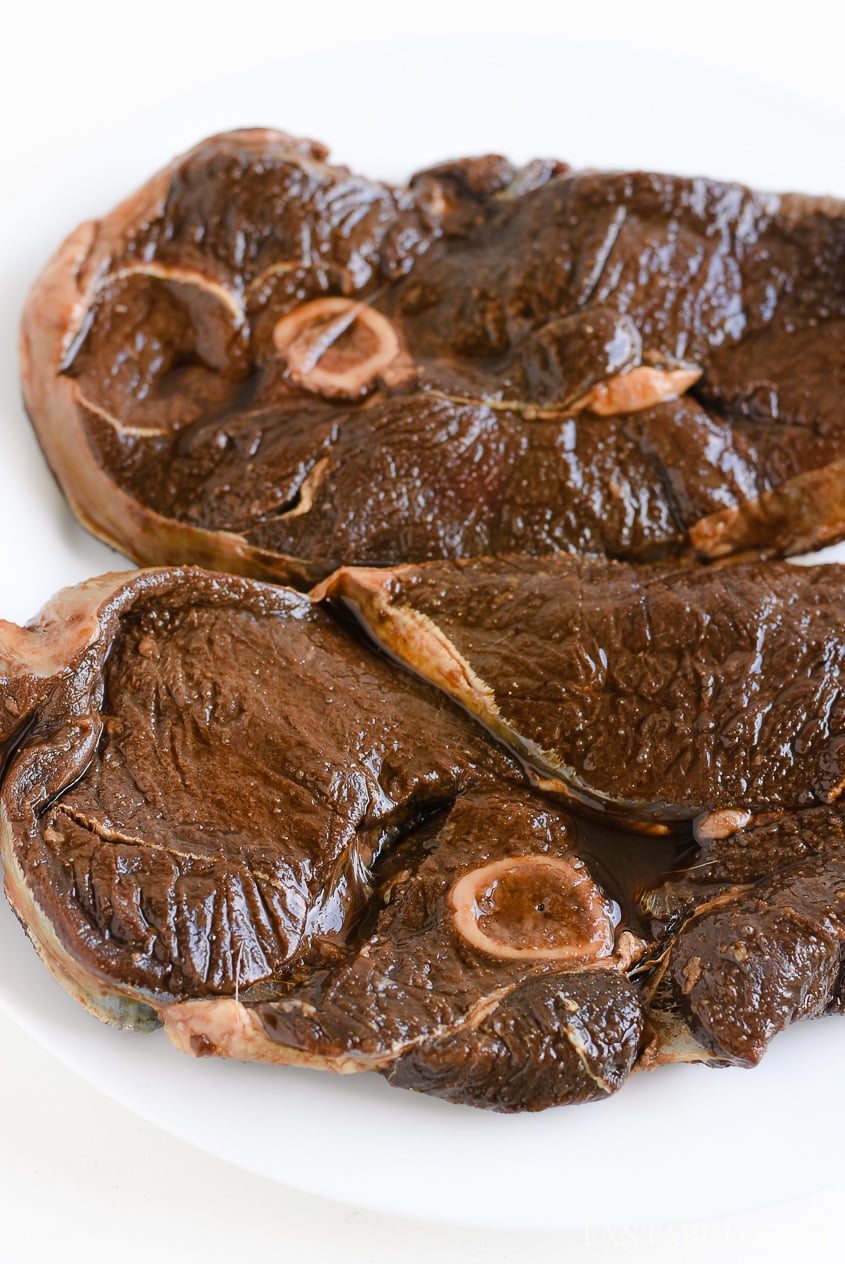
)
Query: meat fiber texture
[
  {"x": 659, "y": 692},
  {"x": 327, "y": 369},
  {"x": 669, "y": 698},
  {"x": 762, "y": 921},
  {"x": 222, "y": 811}
]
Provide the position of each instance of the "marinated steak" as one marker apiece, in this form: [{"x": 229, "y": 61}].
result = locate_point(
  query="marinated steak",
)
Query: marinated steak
[
  {"x": 266, "y": 364},
  {"x": 762, "y": 923},
  {"x": 493, "y": 974},
  {"x": 223, "y": 812},
  {"x": 655, "y": 692},
  {"x": 220, "y": 810},
  {"x": 527, "y": 404}
]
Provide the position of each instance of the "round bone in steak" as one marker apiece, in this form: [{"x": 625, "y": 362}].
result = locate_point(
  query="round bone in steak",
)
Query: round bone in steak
[
  {"x": 223, "y": 812},
  {"x": 263, "y": 363}
]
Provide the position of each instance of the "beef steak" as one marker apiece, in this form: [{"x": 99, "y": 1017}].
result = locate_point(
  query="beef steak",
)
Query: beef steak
[
  {"x": 754, "y": 934},
  {"x": 266, "y": 364},
  {"x": 489, "y": 976},
  {"x": 655, "y": 692},
  {"x": 223, "y": 812}
]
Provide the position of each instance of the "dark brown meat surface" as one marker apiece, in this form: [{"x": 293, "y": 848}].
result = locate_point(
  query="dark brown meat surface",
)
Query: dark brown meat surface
[
  {"x": 510, "y": 1033},
  {"x": 757, "y": 927},
  {"x": 222, "y": 811},
  {"x": 219, "y": 802},
  {"x": 658, "y": 691},
  {"x": 268, "y": 363},
  {"x": 251, "y": 763}
]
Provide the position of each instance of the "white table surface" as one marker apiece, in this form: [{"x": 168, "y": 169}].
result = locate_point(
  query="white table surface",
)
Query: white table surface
[{"x": 80, "y": 1178}]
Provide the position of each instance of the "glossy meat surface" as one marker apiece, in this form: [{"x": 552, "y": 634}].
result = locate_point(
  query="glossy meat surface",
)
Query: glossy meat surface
[
  {"x": 759, "y": 923},
  {"x": 656, "y": 691},
  {"x": 223, "y": 812},
  {"x": 265, "y": 362},
  {"x": 220, "y": 810}
]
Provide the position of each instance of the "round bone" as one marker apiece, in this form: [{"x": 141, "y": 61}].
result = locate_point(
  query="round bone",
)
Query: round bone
[
  {"x": 336, "y": 347},
  {"x": 526, "y": 907}
]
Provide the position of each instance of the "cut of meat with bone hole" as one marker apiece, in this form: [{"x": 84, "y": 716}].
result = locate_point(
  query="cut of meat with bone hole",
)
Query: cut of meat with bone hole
[
  {"x": 539, "y": 362},
  {"x": 434, "y": 1012},
  {"x": 320, "y": 861},
  {"x": 270, "y": 875}
]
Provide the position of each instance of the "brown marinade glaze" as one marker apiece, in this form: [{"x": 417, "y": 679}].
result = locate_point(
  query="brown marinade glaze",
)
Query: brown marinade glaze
[
  {"x": 762, "y": 922},
  {"x": 219, "y": 794},
  {"x": 511, "y": 298},
  {"x": 224, "y": 811},
  {"x": 222, "y": 794},
  {"x": 666, "y": 690},
  {"x": 629, "y": 865}
]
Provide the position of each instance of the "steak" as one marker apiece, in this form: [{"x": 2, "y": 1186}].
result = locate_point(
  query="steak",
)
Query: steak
[
  {"x": 517, "y": 408},
  {"x": 263, "y": 363},
  {"x": 658, "y": 693},
  {"x": 517, "y": 1002},
  {"x": 223, "y": 812},
  {"x": 704, "y": 701},
  {"x": 762, "y": 922}
]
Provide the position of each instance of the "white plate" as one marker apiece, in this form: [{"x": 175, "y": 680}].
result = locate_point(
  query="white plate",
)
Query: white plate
[{"x": 678, "y": 1143}]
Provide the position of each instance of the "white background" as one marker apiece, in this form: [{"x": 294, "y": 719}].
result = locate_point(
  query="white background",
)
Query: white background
[{"x": 80, "y": 1178}]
